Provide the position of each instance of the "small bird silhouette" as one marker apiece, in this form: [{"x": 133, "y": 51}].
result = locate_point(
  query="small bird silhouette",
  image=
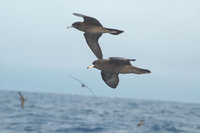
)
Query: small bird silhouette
[
  {"x": 83, "y": 85},
  {"x": 21, "y": 99},
  {"x": 93, "y": 31},
  {"x": 141, "y": 123},
  {"x": 112, "y": 67}
]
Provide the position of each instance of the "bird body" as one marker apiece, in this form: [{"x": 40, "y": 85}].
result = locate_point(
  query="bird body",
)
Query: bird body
[
  {"x": 90, "y": 28},
  {"x": 93, "y": 30},
  {"x": 117, "y": 66},
  {"x": 83, "y": 85},
  {"x": 112, "y": 67},
  {"x": 22, "y": 99},
  {"x": 141, "y": 123}
]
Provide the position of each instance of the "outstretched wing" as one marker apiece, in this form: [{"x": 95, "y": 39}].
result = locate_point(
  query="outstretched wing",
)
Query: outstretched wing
[
  {"x": 22, "y": 104},
  {"x": 90, "y": 90},
  {"x": 140, "y": 123},
  {"x": 92, "y": 41},
  {"x": 88, "y": 20},
  {"x": 20, "y": 95},
  {"x": 111, "y": 79},
  {"x": 120, "y": 60},
  {"x": 76, "y": 79},
  {"x": 83, "y": 85},
  {"x": 22, "y": 99}
]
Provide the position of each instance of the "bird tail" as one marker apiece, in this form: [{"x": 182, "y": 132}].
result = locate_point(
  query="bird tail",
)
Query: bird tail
[
  {"x": 114, "y": 31},
  {"x": 136, "y": 70},
  {"x": 143, "y": 71}
]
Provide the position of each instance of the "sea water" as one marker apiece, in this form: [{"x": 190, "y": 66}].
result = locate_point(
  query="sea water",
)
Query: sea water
[{"x": 63, "y": 113}]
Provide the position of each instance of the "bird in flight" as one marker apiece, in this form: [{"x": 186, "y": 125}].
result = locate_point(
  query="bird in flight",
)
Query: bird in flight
[
  {"x": 93, "y": 30},
  {"x": 112, "y": 67},
  {"x": 21, "y": 99},
  {"x": 82, "y": 84},
  {"x": 141, "y": 123}
]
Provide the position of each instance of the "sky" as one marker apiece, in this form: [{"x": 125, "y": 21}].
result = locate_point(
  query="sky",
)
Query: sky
[{"x": 38, "y": 52}]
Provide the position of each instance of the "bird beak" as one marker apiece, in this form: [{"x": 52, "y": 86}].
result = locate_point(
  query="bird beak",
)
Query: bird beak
[
  {"x": 69, "y": 27},
  {"x": 91, "y": 66}
]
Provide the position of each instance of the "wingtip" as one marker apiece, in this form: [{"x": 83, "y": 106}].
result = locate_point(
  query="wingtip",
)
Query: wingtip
[
  {"x": 78, "y": 14},
  {"x": 132, "y": 59},
  {"x": 69, "y": 27},
  {"x": 113, "y": 86}
]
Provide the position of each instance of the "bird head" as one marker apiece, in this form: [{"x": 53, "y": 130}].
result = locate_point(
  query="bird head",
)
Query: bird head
[
  {"x": 75, "y": 25},
  {"x": 97, "y": 64}
]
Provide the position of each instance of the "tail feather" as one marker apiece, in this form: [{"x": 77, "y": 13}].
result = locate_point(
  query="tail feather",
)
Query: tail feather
[
  {"x": 142, "y": 71},
  {"x": 114, "y": 31},
  {"x": 138, "y": 70}
]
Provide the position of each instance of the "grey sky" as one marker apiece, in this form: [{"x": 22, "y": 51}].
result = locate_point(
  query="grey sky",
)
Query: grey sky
[{"x": 38, "y": 51}]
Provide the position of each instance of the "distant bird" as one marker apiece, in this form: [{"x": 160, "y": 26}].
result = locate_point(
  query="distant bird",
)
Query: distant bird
[
  {"x": 141, "y": 123},
  {"x": 83, "y": 85},
  {"x": 110, "y": 69},
  {"x": 21, "y": 99},
  {"x": 93, "y": 31}
]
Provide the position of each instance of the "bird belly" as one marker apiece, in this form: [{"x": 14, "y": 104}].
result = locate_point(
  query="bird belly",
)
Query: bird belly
[
  {"x": 95, "y": 29},
  {"x": 125, "y": 69}
]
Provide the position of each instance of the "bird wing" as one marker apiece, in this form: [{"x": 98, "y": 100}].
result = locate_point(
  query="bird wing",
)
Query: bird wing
[
  {"x": 120, "y": 60},
  {"x": 140, "y": 123},
  {"x": 20, "y": 95},
  {"x": 22, "y": 104},
  {"x": 111, "y": 79},
  {"x": 83, "y": 84},
  {"x": 22, "y": 99},
  {"x": 90, "y": 90},
  {"x": 76, "y": 79},
  {"x": 88, "y": 20},
  {"x": 92, "y": 41}
]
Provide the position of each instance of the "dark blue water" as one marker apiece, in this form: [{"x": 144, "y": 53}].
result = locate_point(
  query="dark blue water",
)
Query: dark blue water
[{"x": 61, "y": 113}]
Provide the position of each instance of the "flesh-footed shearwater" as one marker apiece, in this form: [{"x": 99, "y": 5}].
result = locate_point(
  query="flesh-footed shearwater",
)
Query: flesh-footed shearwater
[
  {"x": 112, "y": 67},
  {"x": 82, "y": 84},
  {"x": 93, "y": 30},
  {"x": 21, "y": 99},
  {"x": 141, "y": 123}
]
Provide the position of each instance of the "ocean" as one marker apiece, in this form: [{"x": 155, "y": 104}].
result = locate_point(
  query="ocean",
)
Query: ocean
[{"x": 64, "y": 113}]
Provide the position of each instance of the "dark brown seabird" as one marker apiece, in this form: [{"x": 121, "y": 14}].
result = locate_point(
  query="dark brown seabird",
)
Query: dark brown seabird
[
  {"x": 83, "y": 85},
  {"x": 141, "y": 123},
  {"x": 22, "y": 99},
  {"x": 93, "y": 31},
  {"x": 110, "y": 69}
]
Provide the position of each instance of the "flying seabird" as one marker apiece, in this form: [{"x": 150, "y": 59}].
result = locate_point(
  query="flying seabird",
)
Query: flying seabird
[
  {"x": 83, "y": 85},
  {"x": 112, "y": 67},
  {"x": 21, "y": 99},
  {"x": 93, "y": 30},
  {"x": 141, "y": 123}
]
